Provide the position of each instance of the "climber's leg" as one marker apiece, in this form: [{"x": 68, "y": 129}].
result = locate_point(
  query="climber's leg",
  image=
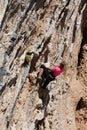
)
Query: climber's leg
[{"x": 47, "y": 81}]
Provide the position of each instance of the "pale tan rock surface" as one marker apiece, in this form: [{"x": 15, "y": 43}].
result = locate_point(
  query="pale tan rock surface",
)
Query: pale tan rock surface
[{"x": 48, "y": 30}]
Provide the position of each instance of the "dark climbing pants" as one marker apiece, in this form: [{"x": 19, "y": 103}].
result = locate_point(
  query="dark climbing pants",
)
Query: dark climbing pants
[{"x": 47, "y": 77}]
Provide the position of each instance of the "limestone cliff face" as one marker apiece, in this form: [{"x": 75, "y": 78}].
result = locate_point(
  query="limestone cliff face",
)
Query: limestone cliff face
[{"x": 47, "y": 30}]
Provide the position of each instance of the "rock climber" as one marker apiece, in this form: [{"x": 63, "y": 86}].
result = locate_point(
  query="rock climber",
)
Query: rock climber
[{"x": 46, "y": 75}]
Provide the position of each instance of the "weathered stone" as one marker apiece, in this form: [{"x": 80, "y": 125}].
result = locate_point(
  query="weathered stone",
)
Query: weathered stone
[{"x": 50, "y": 31}]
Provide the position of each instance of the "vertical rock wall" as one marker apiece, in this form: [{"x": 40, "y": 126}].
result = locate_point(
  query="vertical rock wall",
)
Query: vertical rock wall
[{"x": 47, "y": 30}]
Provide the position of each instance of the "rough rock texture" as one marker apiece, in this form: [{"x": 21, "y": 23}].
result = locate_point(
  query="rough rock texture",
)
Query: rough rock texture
[{"x": 48, "y": 30}]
